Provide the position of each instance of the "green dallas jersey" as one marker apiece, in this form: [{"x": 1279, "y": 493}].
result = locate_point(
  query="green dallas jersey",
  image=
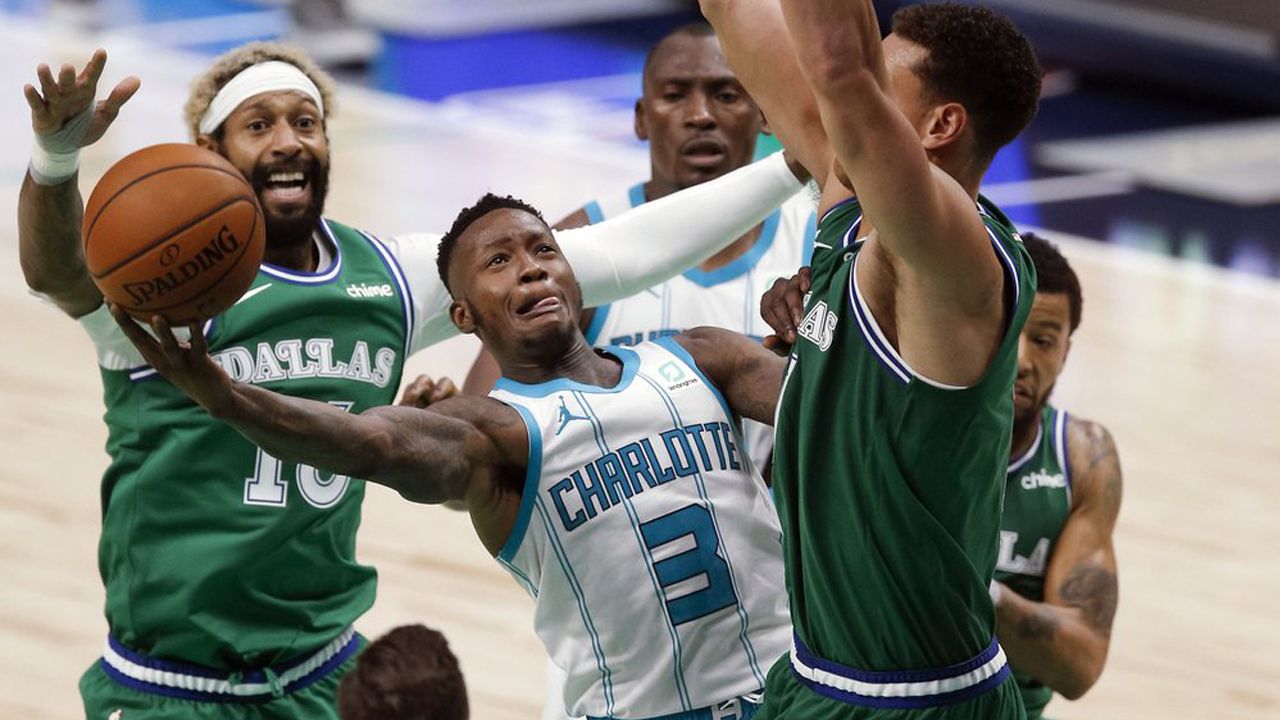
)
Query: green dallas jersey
[
  {"x": 212, "y": 551},
  {"x": 1036, "y": 503},
  {"x": 888, "y": 485}
]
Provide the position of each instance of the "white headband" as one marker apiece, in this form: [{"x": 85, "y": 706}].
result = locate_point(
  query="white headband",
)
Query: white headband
[{"x": 270, "y": 76}]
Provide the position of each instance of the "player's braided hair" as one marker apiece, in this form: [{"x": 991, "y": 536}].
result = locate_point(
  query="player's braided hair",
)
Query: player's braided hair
[
  {"x": 1054, "y": 274},
  {"x": 231, "y": 63},
  {"x": 979, "y": 59},
  {"x": 484, "y": 206},
  {"x": 407, "y": 674}
]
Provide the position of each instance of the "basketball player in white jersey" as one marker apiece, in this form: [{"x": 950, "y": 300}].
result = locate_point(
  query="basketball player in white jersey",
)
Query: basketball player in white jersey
[
  {"x": 700, "y": 124},
  {"x": 610, "y": 484}
]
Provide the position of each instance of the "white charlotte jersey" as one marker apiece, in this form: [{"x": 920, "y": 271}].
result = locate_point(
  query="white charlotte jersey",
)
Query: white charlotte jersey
[
  {"x": 648, "y": 542},
  {"x": 727, "y": 297}
]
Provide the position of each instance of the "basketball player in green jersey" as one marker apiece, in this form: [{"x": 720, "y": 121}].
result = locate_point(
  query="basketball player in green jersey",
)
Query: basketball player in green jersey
[
  {"x": 231, "y": 578},
  {"x": 1055, "y": 587},
  {"x": 895, "y": 419}
]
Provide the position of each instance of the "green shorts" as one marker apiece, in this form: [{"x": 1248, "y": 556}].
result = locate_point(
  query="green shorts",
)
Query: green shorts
[
  {"x": 787, "y": 698},
  {"x": 106, "y": 699}
]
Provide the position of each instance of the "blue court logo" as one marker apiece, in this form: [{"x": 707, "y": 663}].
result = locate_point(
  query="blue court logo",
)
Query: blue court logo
[{"x": 566, "y": 416}]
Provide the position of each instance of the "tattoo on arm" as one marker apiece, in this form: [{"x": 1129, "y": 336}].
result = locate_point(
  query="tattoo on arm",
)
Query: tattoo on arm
[
  {"x": 1038, "y": 624},
  {"x": 1094, "y": 591}
]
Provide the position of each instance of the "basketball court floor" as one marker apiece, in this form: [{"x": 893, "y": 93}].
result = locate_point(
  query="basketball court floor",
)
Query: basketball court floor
[{"x": 1177, "y": 358}]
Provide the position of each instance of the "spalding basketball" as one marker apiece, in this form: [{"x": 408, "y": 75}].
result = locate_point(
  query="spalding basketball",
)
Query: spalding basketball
[{"x": 173, "y": 230}]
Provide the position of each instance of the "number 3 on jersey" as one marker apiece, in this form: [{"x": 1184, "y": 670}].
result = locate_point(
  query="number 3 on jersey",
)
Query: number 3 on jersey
[
  {"x": 266, "y": 488},
  {"x": 701, "y": 559}
]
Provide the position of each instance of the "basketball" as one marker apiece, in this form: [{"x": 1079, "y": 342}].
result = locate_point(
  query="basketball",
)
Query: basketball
[{"x": 173, "y": 230}]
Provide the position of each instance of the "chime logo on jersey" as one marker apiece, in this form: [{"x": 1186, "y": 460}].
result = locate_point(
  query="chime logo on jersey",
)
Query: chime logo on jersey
[
  {"x": 296, "y": 359},
  {"x": 1009, "y": 561},
  {"x": 1042, "y": 479},
  {"x": 365, "y": 290},
  {"x": 819, "y": 326}
]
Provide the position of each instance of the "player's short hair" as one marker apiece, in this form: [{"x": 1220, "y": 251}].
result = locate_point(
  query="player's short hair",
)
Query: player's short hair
[
  {"x": 699, "y": 28},
  {"x": 233, "y": 62},
  {"x": 1054, "y": 274},
  {"x": 980, "y": 59},
  {"x": 407, "y": 674},
  {"x": 486, "y": 205}
]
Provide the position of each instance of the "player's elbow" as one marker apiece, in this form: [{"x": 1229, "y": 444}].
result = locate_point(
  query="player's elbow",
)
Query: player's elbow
[{"x": 1081, "y": 676}]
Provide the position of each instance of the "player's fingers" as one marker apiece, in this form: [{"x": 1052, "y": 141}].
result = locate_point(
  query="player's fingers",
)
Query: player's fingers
[
  {"x": 33, "y": 99},
  {"x": 132, "y": 330},
  {"x": 199, "y": 345},
  {"x": 67, "y": 76},
  {"x": 47, "y": 83},
  {"x": 794, "y": 300},
  {"x": 776, "y": 345},
  {"x": 93, "y": 70},
  {"x": 773, "y": 307},
  {"x": 443, "y": 390},
  {"x": 165, "y": 334},
  {"x": 415, "y": 393},
  {"x": 806, "y": 279},
  {"x": 120, "y": 95}
]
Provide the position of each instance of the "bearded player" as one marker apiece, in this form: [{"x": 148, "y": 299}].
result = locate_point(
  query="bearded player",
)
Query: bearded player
[
  {"x": 894, "y": 425},
  {"x": 261, "y": 624},
  {"x": 1055, "y": 588}
]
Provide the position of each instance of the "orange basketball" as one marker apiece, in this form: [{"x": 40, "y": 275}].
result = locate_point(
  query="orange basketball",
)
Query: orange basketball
[{"x": 173, "y": 230}]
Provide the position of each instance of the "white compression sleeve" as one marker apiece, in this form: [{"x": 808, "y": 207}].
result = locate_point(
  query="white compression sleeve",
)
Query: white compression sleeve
[{"x": 661, "y": 239}]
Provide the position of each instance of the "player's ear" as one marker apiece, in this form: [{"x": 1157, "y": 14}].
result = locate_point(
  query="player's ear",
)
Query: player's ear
[
  {"x": 764, "y": 124},
  {"x": 946, "y": 123},
  {"x": 642, "y": 130},
  {"x": 460, "y": 314},
  {"x": 206, "y": 141}
]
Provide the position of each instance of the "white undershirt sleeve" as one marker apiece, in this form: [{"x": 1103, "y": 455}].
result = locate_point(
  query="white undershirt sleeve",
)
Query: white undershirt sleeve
[
  {"x": 416, "y": 253},
  {"x": 658, "y": 240}
]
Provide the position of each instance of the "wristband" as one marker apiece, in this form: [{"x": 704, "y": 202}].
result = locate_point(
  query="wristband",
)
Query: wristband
[{"x": 53, "y": 168}]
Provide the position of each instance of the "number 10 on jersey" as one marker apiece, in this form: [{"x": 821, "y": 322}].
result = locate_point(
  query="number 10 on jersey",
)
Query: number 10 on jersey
[{"x": 265, "y": 487}]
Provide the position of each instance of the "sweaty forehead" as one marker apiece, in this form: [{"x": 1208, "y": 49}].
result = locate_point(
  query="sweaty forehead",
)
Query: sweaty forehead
[
  {"x": 688, "y": 57},
  {"x": 1051, "y": 307},
  {"x": 501, "y": 226}
]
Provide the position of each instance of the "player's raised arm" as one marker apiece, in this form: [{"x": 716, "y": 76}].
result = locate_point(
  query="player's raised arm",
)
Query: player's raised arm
[
  {"x": 428, "y": 456},
  {"x": 1063, "y": 641},
  {"x": 65, "y": 118},
  {"x": 758, "y": 47},
  {"x": 746, "y": 374},
  {"x": 924, "y": 216},
  {"x": 661, "y": 239}
]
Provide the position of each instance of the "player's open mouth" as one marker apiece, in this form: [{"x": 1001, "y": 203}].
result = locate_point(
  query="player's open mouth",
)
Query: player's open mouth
[
  {"x": 286, "y": 188},
  {"x": 703, "y": 152},
  {"x": 1023, "y": 392}
]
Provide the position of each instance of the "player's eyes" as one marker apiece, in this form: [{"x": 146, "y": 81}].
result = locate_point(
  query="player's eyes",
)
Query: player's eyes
[
  {"x": 546, "y": 248},
  {"x": 258, "y": 125},
  {"x": 496, "y": 260},
  {"x": 728, "y": 97},
  {"x": 306, "y": 123}
]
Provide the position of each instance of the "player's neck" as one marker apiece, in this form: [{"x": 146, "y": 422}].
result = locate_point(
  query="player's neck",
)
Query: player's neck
[
  {"x": 301, "y": 257},
  {"x": 1024, "y": 434},
  {"x": 580, "y": 363}
]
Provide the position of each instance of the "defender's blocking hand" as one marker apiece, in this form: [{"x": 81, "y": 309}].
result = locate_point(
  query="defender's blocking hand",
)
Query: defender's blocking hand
[
  {"x": 782, "y": 307},
  {"x": 66, "y": 98}
]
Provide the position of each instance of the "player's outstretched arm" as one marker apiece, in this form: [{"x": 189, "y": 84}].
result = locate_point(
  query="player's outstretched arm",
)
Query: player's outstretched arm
[
  {"x": 746, "y": 374},
  {"x": 65, "y": 118},
  {"x": 756, "y": 43},
  {"x": 1063, "y": 641},
  {"x": 428, "y": 456},
  {"x": 661, "y": 239},
  {"x": 924, "y": 217}
]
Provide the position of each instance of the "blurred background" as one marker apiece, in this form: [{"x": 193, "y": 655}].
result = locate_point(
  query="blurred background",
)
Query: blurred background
[
  {"x": 1160, "y": 128},
  {"x": 1154, "y": 163}
]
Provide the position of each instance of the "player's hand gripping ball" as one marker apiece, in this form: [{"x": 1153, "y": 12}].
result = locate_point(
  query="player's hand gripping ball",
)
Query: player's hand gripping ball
[{"x": 173, "y": 230}]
